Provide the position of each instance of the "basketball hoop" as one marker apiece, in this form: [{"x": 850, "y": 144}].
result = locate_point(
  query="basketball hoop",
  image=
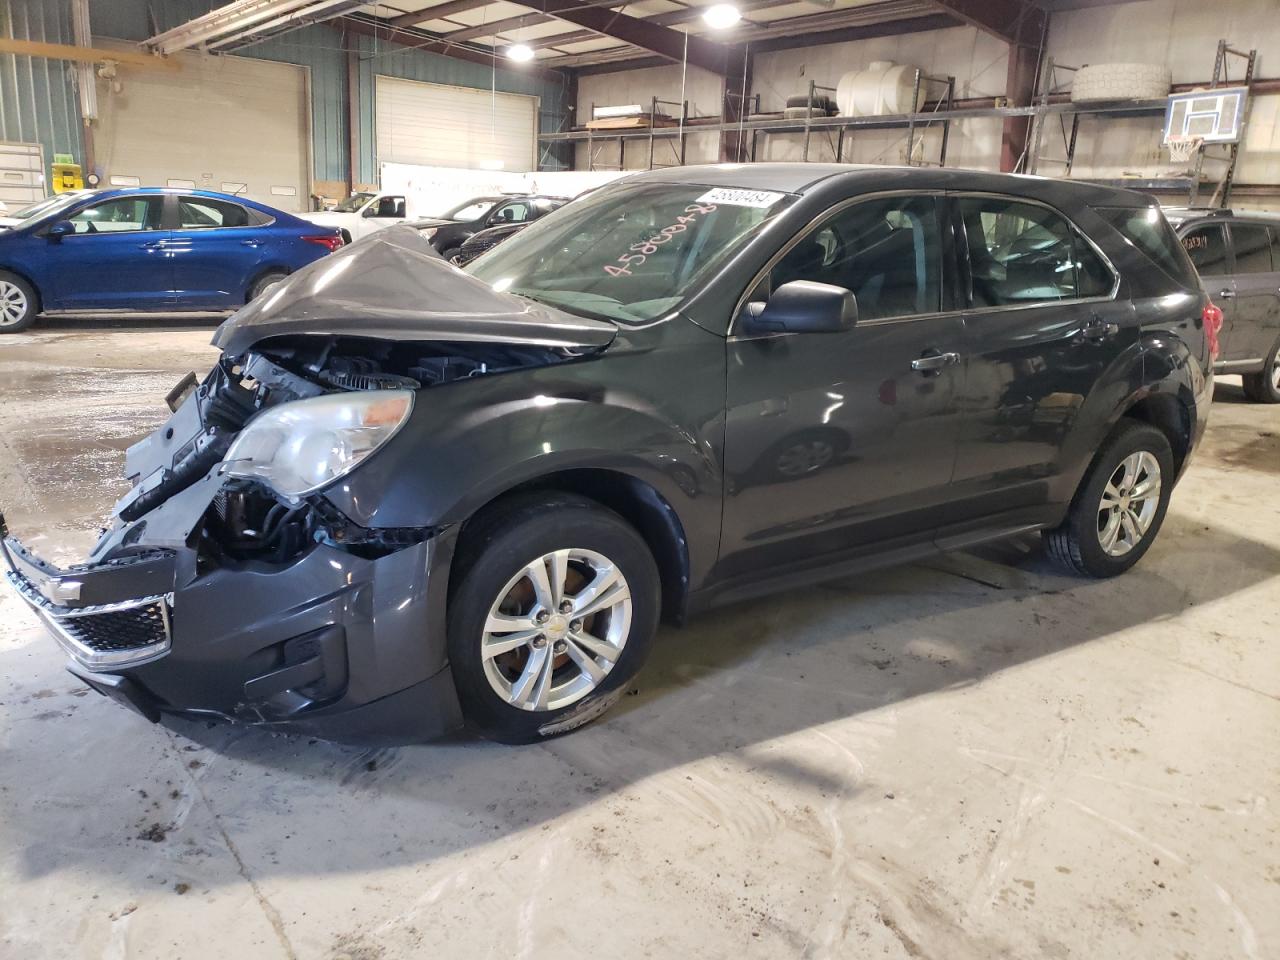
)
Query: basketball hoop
[{"x": 1183, "y": 148}]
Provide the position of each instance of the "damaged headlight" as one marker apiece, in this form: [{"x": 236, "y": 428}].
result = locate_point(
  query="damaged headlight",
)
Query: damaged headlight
[{"x": 301, "y": 446}]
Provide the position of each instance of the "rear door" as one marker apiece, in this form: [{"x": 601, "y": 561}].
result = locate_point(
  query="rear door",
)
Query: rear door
[
  {"x": 1257, "y": 288},
  {"x": 1208, "y": 249},
  {"x": 115, "y": 260},
  {"x": 1042, "y": 324},
  {"x": 217, "y": 248}
]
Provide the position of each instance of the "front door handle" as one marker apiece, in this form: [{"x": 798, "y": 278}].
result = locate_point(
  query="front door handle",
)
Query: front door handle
[
  {"x": 1100, "y": 330},
  {"x": 1226, "y": 294},
  {"x": 252, "y": 243},
  {"x": 932, "y": 362}
]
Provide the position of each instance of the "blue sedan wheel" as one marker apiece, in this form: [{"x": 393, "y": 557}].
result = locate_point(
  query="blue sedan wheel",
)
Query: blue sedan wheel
[{"x": 17, "y": 303}]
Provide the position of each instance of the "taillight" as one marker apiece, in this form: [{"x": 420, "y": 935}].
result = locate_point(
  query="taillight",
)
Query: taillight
[
  {"x": 1212, "y": 317},
  {"x": 332, "y": 243}
]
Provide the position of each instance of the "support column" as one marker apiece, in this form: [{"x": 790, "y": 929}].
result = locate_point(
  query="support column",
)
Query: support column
[
  {"x": 353, "y": 114},
  {"x": 1020, "y": 90},
  {"x": 735, "y": 89}
]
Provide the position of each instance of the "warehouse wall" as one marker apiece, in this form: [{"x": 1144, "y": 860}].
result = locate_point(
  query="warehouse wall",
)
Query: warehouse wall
[
  {"x": 1183, "y": 34},
  {"x": 38, "y": 100}
]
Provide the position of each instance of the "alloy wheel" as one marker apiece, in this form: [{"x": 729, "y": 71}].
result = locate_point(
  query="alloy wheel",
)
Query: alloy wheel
[
  {"x": 556, "y": 629},
  {"x": 1129, "y": 503},
  {"x": 13, "y": 303},
  {"x": 1275, "y": 372}
]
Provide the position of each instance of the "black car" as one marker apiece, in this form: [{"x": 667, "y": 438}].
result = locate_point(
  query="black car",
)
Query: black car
[
  {"x": 484, "y": 241},
  {"x": 1238, "y": 257},
  {"x": 410, "y": 495},
  {"x": 448, "y": 233}
]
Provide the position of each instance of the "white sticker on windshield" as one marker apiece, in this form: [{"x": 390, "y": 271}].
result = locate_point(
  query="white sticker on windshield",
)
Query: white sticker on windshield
[{"x": 741, "y": 198}]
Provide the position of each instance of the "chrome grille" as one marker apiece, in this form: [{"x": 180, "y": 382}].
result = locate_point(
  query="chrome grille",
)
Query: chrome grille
[{"x": 106, "y": 635}]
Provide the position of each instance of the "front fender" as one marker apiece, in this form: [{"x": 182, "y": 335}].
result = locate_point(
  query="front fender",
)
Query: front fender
[{"x": 470, "y": 441}]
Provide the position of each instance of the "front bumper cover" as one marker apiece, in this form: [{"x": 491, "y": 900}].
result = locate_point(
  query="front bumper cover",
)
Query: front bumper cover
[{"x": 330, "y": 643}]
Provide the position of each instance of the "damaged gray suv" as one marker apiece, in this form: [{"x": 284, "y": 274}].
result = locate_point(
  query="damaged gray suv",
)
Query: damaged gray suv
[{"x": 410, "y": 497}]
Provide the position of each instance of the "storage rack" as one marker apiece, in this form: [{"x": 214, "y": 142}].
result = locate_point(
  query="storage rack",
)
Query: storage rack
[
  {"x": 1051, "y": 87},
  {"x": 650, "y": 133},
  {"x": 1050, "y": 104}
]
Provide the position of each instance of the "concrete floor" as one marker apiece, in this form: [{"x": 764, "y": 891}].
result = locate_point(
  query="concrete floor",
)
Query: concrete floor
[{"x": 975, "y": 757}]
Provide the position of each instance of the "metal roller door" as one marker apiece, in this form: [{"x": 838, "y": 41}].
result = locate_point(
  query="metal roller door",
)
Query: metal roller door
[
  {"x": 444, "y": 126},
  {"x": 231, "y": 124}
]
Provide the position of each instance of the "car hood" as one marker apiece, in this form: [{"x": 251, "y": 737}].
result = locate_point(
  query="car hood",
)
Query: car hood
[
  {"x": 394, "y": 286},
  {"x": 426, "y": 222}
]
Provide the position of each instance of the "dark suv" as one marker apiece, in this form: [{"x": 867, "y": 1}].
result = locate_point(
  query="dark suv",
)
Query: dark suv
[
  {"x": 1238, "y": 256},
  {"x": 448, "y": 233},
  {"x": 409, "y": 494}
]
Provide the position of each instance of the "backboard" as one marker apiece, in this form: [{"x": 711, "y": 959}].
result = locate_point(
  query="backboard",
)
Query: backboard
[{"x": 1213, "y": 116}]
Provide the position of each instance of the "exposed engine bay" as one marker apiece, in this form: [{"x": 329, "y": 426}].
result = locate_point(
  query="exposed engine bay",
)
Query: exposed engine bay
[{"x": 244, "y": 518}]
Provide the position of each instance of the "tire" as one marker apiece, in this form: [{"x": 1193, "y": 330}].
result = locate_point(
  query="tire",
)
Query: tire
[
  {"x": 506, "y": 697},
  {"x": 1264, "y": 387},
  {"x": 265, "y": 283},
  {"x": 1121, "y": 81},
  {"x": 450, "y": 252},
  {"x": 19, "y": 303},
  {"x": 1078, "y": 544}
]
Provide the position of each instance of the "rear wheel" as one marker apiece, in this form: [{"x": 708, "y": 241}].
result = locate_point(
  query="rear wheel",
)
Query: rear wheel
[
  {"x": 265, "y": 283},
  {"x": 1120, "y": 505},
  {"x": 1264, "y": 387},
  {"x": 555, "y": 606},
  {"x": 18, "y": 303}
]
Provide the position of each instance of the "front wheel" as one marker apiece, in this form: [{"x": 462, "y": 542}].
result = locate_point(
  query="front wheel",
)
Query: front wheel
[
  {"x": 555, "y": 607},
  {"x": 1120, "y": 505},
  {"x": 1264, "y": 386},
  {"x": 18, "y": 303}
]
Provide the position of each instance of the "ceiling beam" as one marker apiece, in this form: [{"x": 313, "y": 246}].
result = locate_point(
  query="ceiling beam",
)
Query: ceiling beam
[
  {"x": 62, "y": 51},
  {"x": 495, "y": 27},
  {"x": 437, "y": 12},
  {"x": 794, "y": 38},
  {"x": 1013, "y": 21},
  {"x": 434, "y": 43},
  {"x": 665, "y": 42}
]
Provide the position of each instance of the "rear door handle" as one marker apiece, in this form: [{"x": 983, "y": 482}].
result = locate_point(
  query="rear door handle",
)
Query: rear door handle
[
  {"x": 1100, "y": 330},
  {"x": 1226, "y": 294},
  {"x": 932, "y": 362},
  {"x": 252, "y": 243},
  {"x": 152, "y": 245}
]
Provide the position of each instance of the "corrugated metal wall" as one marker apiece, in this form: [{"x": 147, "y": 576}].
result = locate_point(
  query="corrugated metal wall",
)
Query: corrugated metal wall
[
  {"x": 320, "y": 48},
  {"x": 38, "y": 100}
]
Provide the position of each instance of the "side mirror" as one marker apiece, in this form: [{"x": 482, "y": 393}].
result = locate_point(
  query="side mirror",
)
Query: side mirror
[
  {"x": 803, "y": 306},
  {"x": 60, "y": 229}
]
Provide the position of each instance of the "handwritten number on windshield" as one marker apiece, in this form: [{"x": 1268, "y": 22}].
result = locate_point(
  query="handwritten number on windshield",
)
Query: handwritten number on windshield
[{"x": 645, "y": 248}]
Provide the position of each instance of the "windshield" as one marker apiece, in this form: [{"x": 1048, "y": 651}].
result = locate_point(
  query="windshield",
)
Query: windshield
[
  {"x": 472, "y": 209},
  {"x": 631, "y": 253},
  {"x": 353, "y": 203},
  {"x": 48, "y": 205}
]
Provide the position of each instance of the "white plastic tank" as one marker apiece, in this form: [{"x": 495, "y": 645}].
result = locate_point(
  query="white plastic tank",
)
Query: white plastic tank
[{"x": 884, "y": 87}]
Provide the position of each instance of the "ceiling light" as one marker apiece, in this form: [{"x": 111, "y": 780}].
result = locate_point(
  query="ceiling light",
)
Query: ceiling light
[
  {"x": 520, "y": 51},
  {"x": 722, "y": 16}
]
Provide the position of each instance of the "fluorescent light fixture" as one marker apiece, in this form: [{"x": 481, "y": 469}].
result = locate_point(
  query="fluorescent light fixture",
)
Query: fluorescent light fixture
[
  {"x": 721, "y": 16},
  {"x": 520, "y": 51}
]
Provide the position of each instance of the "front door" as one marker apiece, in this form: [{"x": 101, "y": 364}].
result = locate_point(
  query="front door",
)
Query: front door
[
  {"x": 1257, "y": 288},
  {"x": 217, "y": 250},
  {"x": 1042, "y": 325},
  {"x": 839, "y": 442},
  {"x": 115, "y": 260}
]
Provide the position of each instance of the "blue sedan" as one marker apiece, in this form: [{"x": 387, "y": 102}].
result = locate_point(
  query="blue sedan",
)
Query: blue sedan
[{"x": 150, "y": 250}]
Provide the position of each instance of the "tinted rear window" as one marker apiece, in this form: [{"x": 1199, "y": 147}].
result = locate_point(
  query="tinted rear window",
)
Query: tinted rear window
[
  {"x": 1207, "y": 247},
  {"x": 1148, "y": 231},
  {"x": 1253, "y": 248}
]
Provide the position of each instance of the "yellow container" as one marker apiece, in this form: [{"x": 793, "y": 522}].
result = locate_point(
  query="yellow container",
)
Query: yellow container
[{"x": 67, "y": 176}]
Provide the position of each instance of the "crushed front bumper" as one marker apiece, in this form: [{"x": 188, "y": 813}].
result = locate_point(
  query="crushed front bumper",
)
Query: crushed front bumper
[{"x": 332, "y": 644}]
